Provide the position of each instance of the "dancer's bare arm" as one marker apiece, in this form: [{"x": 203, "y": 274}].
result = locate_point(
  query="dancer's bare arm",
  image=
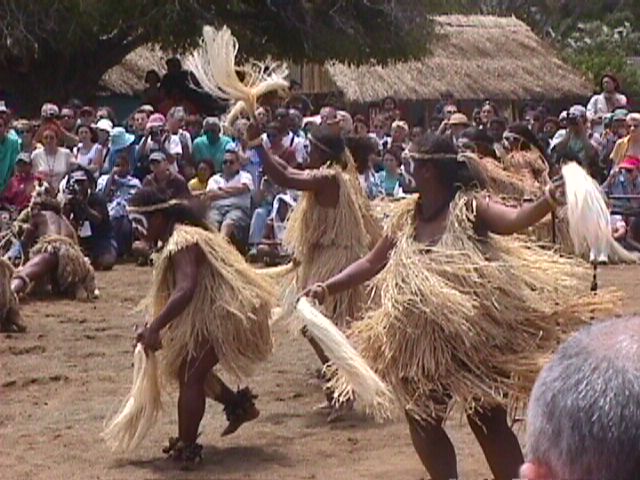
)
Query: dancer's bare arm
[
  {"x": 287, "y": 177},
  {"x": 185, "y": 266},
  {"x": 357, "y": 273}
]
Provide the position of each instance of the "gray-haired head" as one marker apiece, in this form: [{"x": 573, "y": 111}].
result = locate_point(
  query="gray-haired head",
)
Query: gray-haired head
[{"x": 583, "y": 420}]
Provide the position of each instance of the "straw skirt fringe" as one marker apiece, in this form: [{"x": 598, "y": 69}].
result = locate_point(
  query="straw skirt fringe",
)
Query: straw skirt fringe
[
  {"x": 229, "y": 311},
  {"x": 327, "y": 240},
  {"x": 74, "y": 275},
  {"x": 471, "y": 320}
]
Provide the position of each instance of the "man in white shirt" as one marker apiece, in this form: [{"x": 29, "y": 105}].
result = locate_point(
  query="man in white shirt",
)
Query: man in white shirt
[{"x": 230, "y": 196}]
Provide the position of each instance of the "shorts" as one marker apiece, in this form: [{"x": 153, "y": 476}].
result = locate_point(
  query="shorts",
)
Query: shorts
[{"x": 219, "y": 214}]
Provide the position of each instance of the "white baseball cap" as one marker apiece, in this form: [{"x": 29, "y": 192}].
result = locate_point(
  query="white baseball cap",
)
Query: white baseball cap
[{"x": 105, "y": 125}]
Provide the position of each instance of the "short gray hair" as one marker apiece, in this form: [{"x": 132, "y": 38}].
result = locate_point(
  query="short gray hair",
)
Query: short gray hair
[{"x": 583, "y": 420}]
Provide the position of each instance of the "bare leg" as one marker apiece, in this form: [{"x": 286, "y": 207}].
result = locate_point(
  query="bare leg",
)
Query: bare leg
[
  {"x": 433, "y": 446},
  {"x": 216, "y": 389},
  {"x": 36, "y": 268},
  {"x": 191, "y": 401},
  {"x": 498, "y": 442},
  {"x": 228, "y": 230}
]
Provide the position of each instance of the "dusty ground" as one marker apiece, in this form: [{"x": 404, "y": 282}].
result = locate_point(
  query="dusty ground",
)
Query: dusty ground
[{"x": 60, "y": 380}]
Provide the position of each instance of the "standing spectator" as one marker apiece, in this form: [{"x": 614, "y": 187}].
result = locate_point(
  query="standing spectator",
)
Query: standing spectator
[
  {"x": 378, "y": 132},
  {"x": 18, "y": 193},
  {"x": 230, "y": 196},
  {"x": 574, "y": 142},
  {"x": 88, "y": 213},
  {"x": 447, "y": 99},
  {"x": 163, "y": 179},
  {"x": 389, "y": 105},
  {"x": 211, "y": 144},
  {"x": 297, "y": 100},
  {"x": 457, "y": 124},
  {"x": 605, "y": 102},
  {"x": 203, "y": 174},
  {"x": 51, "y": 162},
  {"x": 152, "y": 93},
  {"x": 391, "y": 176},
  {"x": 120, "y": 142},
  {"x": 488, "y": 111},
  {"x": 68, "y": 122},
  {"x": 106, "y": 113},
  {"x": 117, "y": 188},
  {"x": 87, "y": 116},
  {"x": 263, "y": 116},
  {"x": 399, "y": 133},
  {"x": 88, "y": 152},
  {"x": 140, "y": 119},
  {"x": 582, "y": 419},
  {"x": 496, "y": 128}
]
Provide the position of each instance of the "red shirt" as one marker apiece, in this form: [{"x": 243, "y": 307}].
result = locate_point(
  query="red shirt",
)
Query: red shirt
[{"x": 19, "y": 190}]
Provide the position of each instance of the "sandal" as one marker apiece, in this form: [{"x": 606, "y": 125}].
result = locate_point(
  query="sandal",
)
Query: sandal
[{"x": 240, "y": 411}]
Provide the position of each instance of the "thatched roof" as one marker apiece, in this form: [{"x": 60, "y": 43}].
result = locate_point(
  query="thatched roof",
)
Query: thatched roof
[
  {"x": 474, "y": 56},
  {"x": 128, "y": 77}
]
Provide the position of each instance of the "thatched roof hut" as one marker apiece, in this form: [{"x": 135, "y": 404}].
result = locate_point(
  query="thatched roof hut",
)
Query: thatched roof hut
[{"x": 474, "y": 57}]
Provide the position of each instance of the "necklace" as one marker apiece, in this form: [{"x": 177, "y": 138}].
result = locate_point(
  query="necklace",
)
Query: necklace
[{"x": 51, "y": 162}]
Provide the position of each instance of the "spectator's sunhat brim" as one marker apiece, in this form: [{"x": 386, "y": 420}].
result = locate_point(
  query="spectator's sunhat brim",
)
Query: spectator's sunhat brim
[{"x": 121, "y": 139}]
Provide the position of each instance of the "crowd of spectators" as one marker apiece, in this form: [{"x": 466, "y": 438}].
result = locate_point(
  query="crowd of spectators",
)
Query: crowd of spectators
[{"x": 96, "y": 163}]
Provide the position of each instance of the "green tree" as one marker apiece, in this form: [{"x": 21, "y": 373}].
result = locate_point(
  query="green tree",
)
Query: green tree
[{"x": 55, "y": 49}]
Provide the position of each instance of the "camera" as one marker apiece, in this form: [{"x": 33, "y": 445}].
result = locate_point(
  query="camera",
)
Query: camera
[{"x": 573, "y": 120}]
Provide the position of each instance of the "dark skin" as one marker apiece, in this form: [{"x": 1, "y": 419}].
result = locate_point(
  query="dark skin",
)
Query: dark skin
[
  {"x": 43, "y": 223},
  {"x": 489, "y": 426},
  {"x": 196, "y": 378},
  {"x": 78, "y": 203}
]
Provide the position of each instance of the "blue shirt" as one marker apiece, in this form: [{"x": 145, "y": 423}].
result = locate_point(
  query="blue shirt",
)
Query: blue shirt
[{"x": 118, "y": 193}]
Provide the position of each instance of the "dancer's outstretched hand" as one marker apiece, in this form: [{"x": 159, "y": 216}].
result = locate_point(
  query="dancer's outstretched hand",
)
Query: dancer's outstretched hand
[
  {"x": 317, "y": 292},
  {"x": 556, "y": 190},
  {"x": 149, "y": 338}
]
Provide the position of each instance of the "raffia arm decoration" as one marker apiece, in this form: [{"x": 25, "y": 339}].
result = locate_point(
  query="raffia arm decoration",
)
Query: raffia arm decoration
[
  {"x": 351, "y": 374},
  {"x": 140, "y": 409},
  {"x": 214, "y": 63},
  {"x": 588, "y": 215}
]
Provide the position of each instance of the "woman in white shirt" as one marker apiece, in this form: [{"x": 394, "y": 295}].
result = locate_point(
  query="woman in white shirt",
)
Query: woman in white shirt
[
  {"x": 605, "y": 102},
  {"x": 52, "y": 162},
  {"x": 89, "y": 153}
]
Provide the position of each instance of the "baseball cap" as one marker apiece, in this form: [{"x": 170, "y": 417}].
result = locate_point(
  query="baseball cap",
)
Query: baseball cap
[
  {"x": 78, "y": 175},
  {"x": 3, "y": 107},
  {"x": 49, "y": 110},
  {"x": 156, "y": 120},
  {"x": 105, "y": 125},
  {"x": 620, "y": 114},
  {"x": 209, "y": 121},
  {"x": 400, "y": 124},
  {"x": 458, "y": 119},
  {"x": 578, "y": 111},
  {"x": 23, "y": 157},
  {"x": 157, "y": 156}
]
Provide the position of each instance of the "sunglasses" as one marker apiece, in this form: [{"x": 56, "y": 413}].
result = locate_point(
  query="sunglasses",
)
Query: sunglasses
[
  {"x": 228, "y": 162},
  {"x": 67, "y": 117}
]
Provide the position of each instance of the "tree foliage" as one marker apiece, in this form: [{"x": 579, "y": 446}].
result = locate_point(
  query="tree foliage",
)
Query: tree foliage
[{"x": 72, "y": 43}]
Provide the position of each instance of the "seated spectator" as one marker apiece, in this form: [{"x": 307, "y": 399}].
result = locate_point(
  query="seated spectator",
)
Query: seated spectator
[
  {"x": 270, "y": 249},
  {"x": 193, "y": 125},
  {"x": 230, "y": 196},
  {"x": 18, "y": 193},
  {"x": 176, "y": 119},
  {"x": 264, "y": 198},
  {"x": 360, "y": 126},
  {"x": 69, "y": 123},
  {"x": 606, "y": 102},
  {"x": 391, "y": 177},
  {"x": 88, "y": 213},
  {"x": 26, "y": 131},
  {"x": 88, "y": 152},
  {"x": 379, "y": 133},
  {"x": 623, "y": 180},
  {"x": 51, "y": 162},
  {"x": 203, "y": 174},
  {"x": 574, "y": 143},
  {"x": 488, "y": 111},
  {"x": 87, "y": 116},
  {"x": 163, "y": 179},
  {"x": 211, "y": 144},
  {"x": 9, "y": 150},
  {"x": 496, "y": 128},
  {"x": 120, "y": 142},
  {"x": 361, "y": 149},
  {"x": 117, "y": 188},
  {"x": 457, "y": 124},
  {"x": 582, "y": 419},
  {"x": 140, "y": 119},
  {"x": 615, "y": 129},
  {"x": 157, "y": 137},
  {"x": 628, "y": 146}
]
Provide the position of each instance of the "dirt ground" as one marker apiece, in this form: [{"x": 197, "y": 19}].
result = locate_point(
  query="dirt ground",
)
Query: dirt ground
[{"x": 59, "y": 381}]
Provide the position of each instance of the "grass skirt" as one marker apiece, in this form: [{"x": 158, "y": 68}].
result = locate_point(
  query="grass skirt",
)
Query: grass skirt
[
  {"x": 327, "y": 240},
  {"x": 229, "y": 311},
  {"x": 75, "y": 275},
  {"x": 471, "y": 319}
]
